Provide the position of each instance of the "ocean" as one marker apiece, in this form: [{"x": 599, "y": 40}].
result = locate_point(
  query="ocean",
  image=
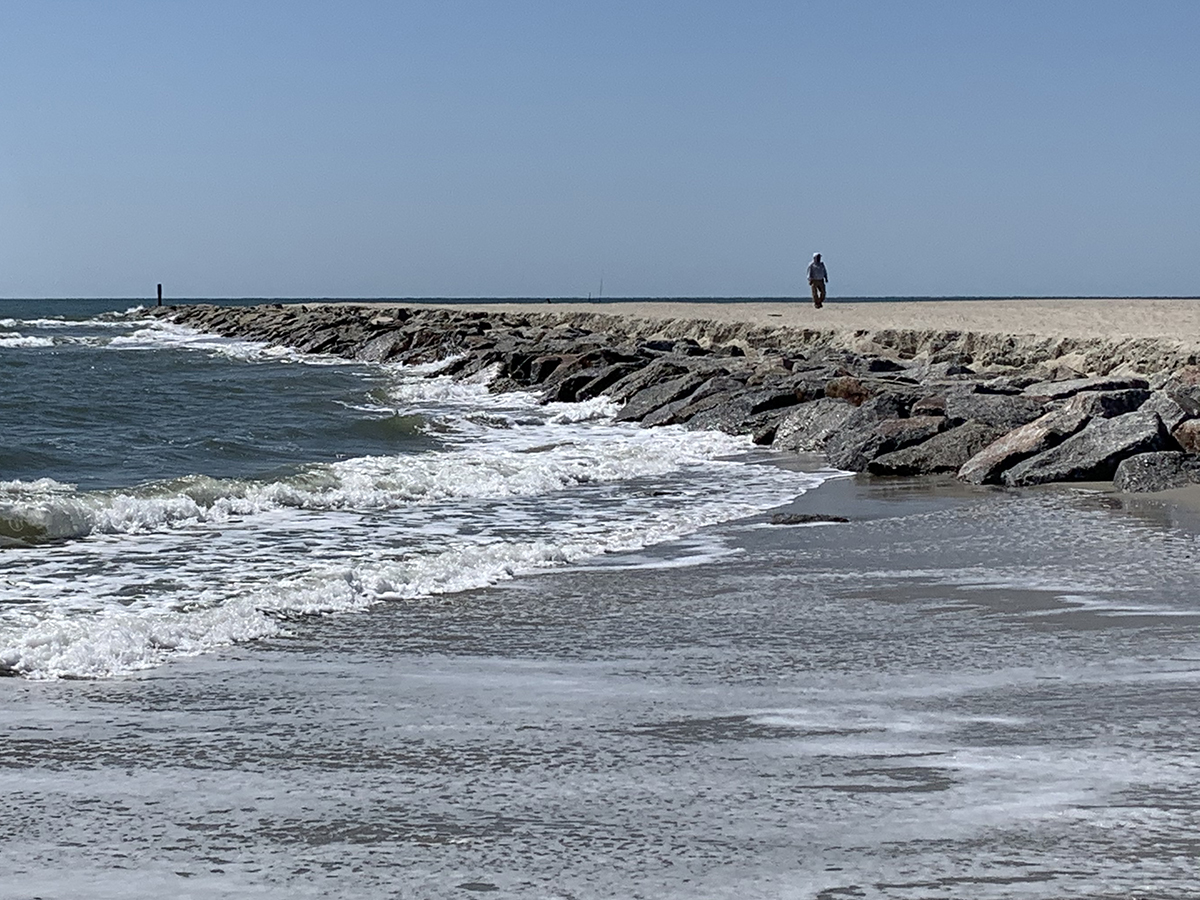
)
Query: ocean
[{"x": 293, "y": 626}]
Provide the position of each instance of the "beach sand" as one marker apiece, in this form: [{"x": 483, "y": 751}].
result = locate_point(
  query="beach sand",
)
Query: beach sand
[{"x": 1177, "y": 319}]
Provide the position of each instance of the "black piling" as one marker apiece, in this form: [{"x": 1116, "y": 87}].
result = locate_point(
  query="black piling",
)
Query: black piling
[{"x": 160, "y": 295}]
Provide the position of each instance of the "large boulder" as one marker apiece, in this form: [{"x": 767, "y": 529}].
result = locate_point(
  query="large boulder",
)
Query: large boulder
[
  {"x": 804, "y": 386},
  {"x": 542, "y": 367},
  {"x": 567, "y": 367},
  {"x": 1094, "y": 453},
  {"x": 718, "y": 385},
  {"x": 672, "y": 413},
  {"x": 1106, "y": 404},
  {"x": 654, "y": 372},
  {"x": 1171, "y": 413},
  {"x": 1061, "y": 390},
  {"x": 383, "y": 347},
  {"x": 944, "y": 452},
  {"x": 1030, "y": 439},
  {"x": 719, "y": 390},
  {"x": 1158, "y": 471},
  {"x": 731, "y": 413},
  {"x": 1003, "y": 411},
  {"x": 587, "y": 383},
  {"x": 809, "y": 426},
  {"x": 653, "y": 396},
  {"x": 855, "y": 431},
  {"x": 853, "y": 449},
  {"x": 1184, "y": 388}
]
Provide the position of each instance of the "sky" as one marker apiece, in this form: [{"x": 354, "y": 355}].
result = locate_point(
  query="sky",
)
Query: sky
[{"x": 501, "y": 148}]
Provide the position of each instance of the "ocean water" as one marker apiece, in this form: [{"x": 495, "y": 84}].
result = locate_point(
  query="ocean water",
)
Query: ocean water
[{"x": 285, "y": 626}]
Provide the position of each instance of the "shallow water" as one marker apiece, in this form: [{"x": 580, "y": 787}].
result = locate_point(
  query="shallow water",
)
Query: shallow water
[
  {"x": 959, "y": 693},
  {"x": 264, "y": 484}
]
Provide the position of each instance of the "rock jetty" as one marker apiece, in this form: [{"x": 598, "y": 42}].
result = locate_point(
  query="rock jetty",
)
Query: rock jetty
[{"x": 992, "y": 409}]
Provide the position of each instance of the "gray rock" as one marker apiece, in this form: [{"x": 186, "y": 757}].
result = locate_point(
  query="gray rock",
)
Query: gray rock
[
  {"x": 720, "y": 384},
  {"x": 652, "y": 397},
  {"x": 933, "y": 405},
  {"x": 1061, "y": 390},
  {"x": 383, "y": 347},
  {"x": 926, "y": 370},
  {"x": 732, "y": 415},
  {"x": 769, "y": 398},
  {"x": 1159, "y": 471},
  {"x": 804, "y": 519},
  {"x": 855, "y": 433},
  {"x": 550, "y": 370},
  {"x": 667, "y": 414},
  {"x": 691, "y": 407},
  {"x": 1094, "y": 453},
  {"x": 805, "y": 386},
  {"x": 542, "y": 367},
  {"x": 853, "y": 449},
  {"x": 1106, "y": 404},
  {"x": 1171, "y": 413},
  {"x": 1006, "y": 384},
  {"x": 764, "y": 426},
  {"x": 1183, "y": 389},
  {"x": 658, "y": 370},
  {"x": 605, "y": 377},
  {"x": 503, "y": 385},
  {"x": 1004, "y": 411},
  {"x": 326, "y": 340},
  {"x": 942, "y": 453},
  {"x": 587, "y": 383},
  {"x": 809, "y": 426},
  {"x": 987, "y": 464}
]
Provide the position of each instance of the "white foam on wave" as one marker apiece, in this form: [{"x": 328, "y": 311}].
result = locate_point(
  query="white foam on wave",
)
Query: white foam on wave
[
  {"x": 225, "y": 558},
  {"x": 421, "y": 385},
  {"x": 16, "y": 339},
  {"x": 37, "y": 486},
  {"x": 79, "y": 631},
  {"x": 64, "y": 322},
  {"x": 163, "y": 335},
  {"x": 48, "y": 510}
]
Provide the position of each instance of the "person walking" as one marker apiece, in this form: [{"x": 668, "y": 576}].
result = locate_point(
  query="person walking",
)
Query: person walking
[{"x": 817, "y": 276}]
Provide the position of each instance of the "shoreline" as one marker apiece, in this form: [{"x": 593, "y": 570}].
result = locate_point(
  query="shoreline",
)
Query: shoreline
[{"x": 952, "y": 393}]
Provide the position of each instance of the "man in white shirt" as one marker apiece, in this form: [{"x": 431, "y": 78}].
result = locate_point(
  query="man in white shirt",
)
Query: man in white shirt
[{"x": 817, "y": 276}]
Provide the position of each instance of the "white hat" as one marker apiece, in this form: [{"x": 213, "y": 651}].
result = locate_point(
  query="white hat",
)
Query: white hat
[{"x": 815, "y": 255}]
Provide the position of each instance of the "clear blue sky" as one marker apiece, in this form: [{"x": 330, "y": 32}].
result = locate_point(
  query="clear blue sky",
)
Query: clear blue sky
[{"x": 506, "y": 148}]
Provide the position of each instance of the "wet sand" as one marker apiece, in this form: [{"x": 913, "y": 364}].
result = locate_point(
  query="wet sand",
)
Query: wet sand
[{"x": 912, "y": 700}]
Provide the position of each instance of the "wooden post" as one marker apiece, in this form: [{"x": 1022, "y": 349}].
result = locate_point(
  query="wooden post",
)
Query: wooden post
[{"x": 160, "y": 295}]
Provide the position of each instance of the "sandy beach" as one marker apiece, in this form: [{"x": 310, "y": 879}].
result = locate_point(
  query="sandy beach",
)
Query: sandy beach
[{"x": 1177, "y": 319}]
